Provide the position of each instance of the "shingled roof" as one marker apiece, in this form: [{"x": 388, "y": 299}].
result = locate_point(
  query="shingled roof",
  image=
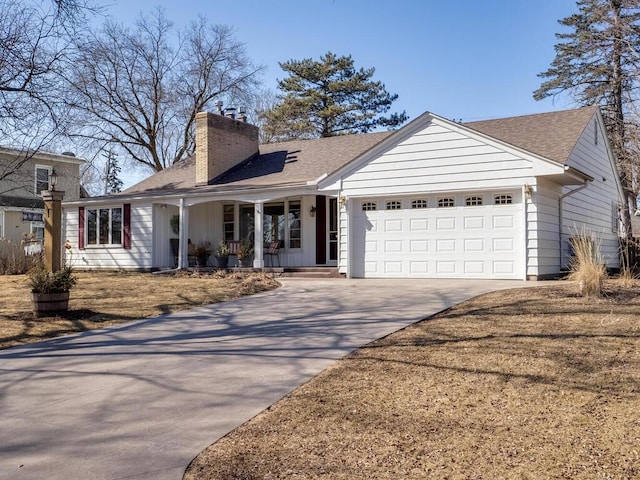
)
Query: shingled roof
[
  {"x": 286, "y": 163},
  {"x": 551, "y": 135}
]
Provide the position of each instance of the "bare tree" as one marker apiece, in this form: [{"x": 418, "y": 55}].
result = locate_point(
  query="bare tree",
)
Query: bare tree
[
  {"x": 598, "y": 61},
  {"x": 35, "y": 41},
  {"x": 139, "y": 89}
]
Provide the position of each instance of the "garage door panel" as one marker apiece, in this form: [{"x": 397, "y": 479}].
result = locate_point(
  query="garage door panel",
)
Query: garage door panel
[
  {"x": 445, "y": 223},
  {"x": 393, "y": 246},
  {"x": 394, "y": 225},
  {"x": 418, "y": 246},
  {"x": 473, "y": 223},
  {"x": 418, "y": 224},
  {"x": 474, "y": 267},
  {"x": 446, "y": 245},
  {"x": 474, "y": 245},
  {"x": 503, "y": 221}
]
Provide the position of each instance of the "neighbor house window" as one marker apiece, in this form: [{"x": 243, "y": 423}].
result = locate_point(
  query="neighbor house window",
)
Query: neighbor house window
[
  {"x": 419, "y": 203},
  {"x": 228, "y": 219},
  {"x": 369, "y": 206},
  {"x": 295, "y": 225},
  {"x": 273, "y": 222},
  {"x": 1, "y": 224},
  {"x": 446, "y": 202},
  {"x": 37, "y": 229},
  {"x": 394, "y": 205},
  {"x": 473, "y": 201},
  {"x": 502, "y": 199},
  {"x": 42, "y": 179},
  {"x": 104, "y": 226}
]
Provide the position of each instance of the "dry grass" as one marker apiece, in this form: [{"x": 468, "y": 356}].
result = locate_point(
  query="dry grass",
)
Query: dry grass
[
  {"x": 587, "y": 266},
  {"x": 102, "y": 299},
  {"x": 522, "y": 384}
]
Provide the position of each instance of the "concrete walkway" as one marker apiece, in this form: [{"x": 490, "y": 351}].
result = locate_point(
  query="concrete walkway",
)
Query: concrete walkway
[{"x": 139, "y": 401}]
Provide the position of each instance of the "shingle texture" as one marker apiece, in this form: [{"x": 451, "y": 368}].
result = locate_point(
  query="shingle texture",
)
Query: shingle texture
[{"x": 551, "y": 135}]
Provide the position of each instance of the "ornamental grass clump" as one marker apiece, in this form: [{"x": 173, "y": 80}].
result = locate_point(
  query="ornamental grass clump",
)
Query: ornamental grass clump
[
  {"x": 13, "y": 260},
  {"x": 43, "y": 281},
  {"x": 587, "y": 267}
]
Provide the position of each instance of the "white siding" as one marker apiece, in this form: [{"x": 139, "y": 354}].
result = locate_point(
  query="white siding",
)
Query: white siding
[
  {"x": 543, "y": 257},
  {"x": 139, "y": 256},
  {"x": 591, "y": 207},
  {"x": 437, "y": 159}
]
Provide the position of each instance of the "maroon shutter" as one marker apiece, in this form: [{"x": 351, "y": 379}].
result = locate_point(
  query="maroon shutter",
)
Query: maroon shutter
[
  {"x": 126, "y": 226},
  {"x": 81, "y": 228}
]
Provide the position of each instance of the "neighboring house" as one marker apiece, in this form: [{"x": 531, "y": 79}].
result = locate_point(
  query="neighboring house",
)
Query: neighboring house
[
  {"x": 491, "y": 199},
  {"x": 23, "y": 176}
]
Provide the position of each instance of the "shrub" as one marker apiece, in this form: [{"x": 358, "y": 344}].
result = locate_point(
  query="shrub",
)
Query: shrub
[
  {"x": 587, "y": 267},
  {"x": 13, "y": 260},
  {"x": 43, "y": 281}
]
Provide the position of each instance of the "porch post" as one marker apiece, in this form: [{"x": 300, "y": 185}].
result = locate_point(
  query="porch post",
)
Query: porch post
[
  {"x": 183, "y": 260},
  {"x": 258, "y": 236}
]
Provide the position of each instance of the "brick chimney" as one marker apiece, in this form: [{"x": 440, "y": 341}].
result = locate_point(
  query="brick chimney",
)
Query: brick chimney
[{"x": 221, "y": 143}]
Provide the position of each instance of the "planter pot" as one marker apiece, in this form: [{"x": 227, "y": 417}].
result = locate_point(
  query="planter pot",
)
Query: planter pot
[
  {"x": 45, "y": 303},
  {"x": 222, "y": 262},
  {"x": 201, "y": 261},
  {"x": 245, "y": 262}
]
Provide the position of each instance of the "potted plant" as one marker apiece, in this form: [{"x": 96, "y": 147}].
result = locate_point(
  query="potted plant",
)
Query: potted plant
[
  {"x": 222, "y": 254},
  {"x": 202, "y": 253},
  {"x": 244, "y": 253},
  {"x": 50, "y": 290}
]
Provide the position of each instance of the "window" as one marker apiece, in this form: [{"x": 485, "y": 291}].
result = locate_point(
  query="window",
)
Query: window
[
  {"x": 104, "y": 226},
  {"x": 295, "y": 237},
  {"x": 1, "y": 224},
  {"x": 273, "y": 222},
  {"x": 502, "y": 199},
  {"x": 42, "y": 179},
  {"x": 419, "y": 203},
  {"x": 446, "y": 202},
  {"x": 37, "y": 229},
  {"x": 595, "y": 131},
  {"x": 228, "y": 219},
  {"x": 394, "y": 205},
  {"x": 473, "y": 201},
  {"x": 369, "y": 206}
]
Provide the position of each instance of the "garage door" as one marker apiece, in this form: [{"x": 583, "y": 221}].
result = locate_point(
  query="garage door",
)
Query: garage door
[{"x": 465, "y": 236}]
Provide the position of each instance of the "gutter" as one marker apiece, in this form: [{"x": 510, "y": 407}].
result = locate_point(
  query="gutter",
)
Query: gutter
[{"x": 561, "y": 216}]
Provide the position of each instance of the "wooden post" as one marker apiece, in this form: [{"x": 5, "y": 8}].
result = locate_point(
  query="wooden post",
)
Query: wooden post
[{"x": 52, "y": 229}]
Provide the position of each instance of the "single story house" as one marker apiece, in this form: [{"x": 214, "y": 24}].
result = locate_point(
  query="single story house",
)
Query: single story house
[{"x": 435, "y": 198}]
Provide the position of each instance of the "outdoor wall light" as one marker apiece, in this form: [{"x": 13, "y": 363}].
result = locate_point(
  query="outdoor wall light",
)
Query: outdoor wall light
[
  {"x": 528, "y": 191},
  {"x": 343, "y": 201},
  {"x": 312, "y": 212},
  {"x": 53, "y": 179}
]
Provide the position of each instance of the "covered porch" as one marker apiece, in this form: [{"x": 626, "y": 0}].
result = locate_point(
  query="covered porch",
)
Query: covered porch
[{"x": 303, "y": 226}]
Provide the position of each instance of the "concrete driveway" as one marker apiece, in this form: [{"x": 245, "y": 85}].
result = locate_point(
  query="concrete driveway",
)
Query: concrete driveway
[{"x": 139, "y": 401}]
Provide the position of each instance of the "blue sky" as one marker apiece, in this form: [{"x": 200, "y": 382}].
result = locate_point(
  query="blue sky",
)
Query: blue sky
[
  {"x": 468, "y": 59},
  {"x": 460, "y": 59}
]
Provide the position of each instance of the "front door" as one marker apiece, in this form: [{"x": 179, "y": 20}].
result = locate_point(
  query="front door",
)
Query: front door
[{"x": 332, "y": 238}]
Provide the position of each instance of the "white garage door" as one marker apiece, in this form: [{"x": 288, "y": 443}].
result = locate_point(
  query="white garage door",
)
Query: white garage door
[{"x": 427, "y": 237}]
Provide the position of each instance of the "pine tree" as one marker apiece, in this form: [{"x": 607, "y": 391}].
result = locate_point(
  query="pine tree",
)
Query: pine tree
[
  {"x": 328, "y": 97},
  {"x": 113, "y": 184},
  {"x": 597, "y": 62}
]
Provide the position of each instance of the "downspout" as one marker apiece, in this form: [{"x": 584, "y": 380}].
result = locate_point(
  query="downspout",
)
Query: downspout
[
  {"x": 561, "y": 216},
  {"x": 526, "y": 196}
]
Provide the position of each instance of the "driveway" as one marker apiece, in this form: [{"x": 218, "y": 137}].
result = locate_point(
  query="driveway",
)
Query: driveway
[{"x": 139, "y": 401}]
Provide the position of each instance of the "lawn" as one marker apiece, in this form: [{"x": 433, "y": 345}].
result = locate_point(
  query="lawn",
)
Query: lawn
[
  {"x": 108, "y": 298},
  {"x": 522, "y": 384}
]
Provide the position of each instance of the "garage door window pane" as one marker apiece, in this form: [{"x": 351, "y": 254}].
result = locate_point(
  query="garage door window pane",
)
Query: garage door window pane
[
  {"x": 420, "y": 203},
  {"x": 502, "y": 199},
  {"x": 446, "y": 202},
  {"x": 394, "y": 205},
  {"x": 368, "y": 206},
  {"x": 473, "y": 201}
]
